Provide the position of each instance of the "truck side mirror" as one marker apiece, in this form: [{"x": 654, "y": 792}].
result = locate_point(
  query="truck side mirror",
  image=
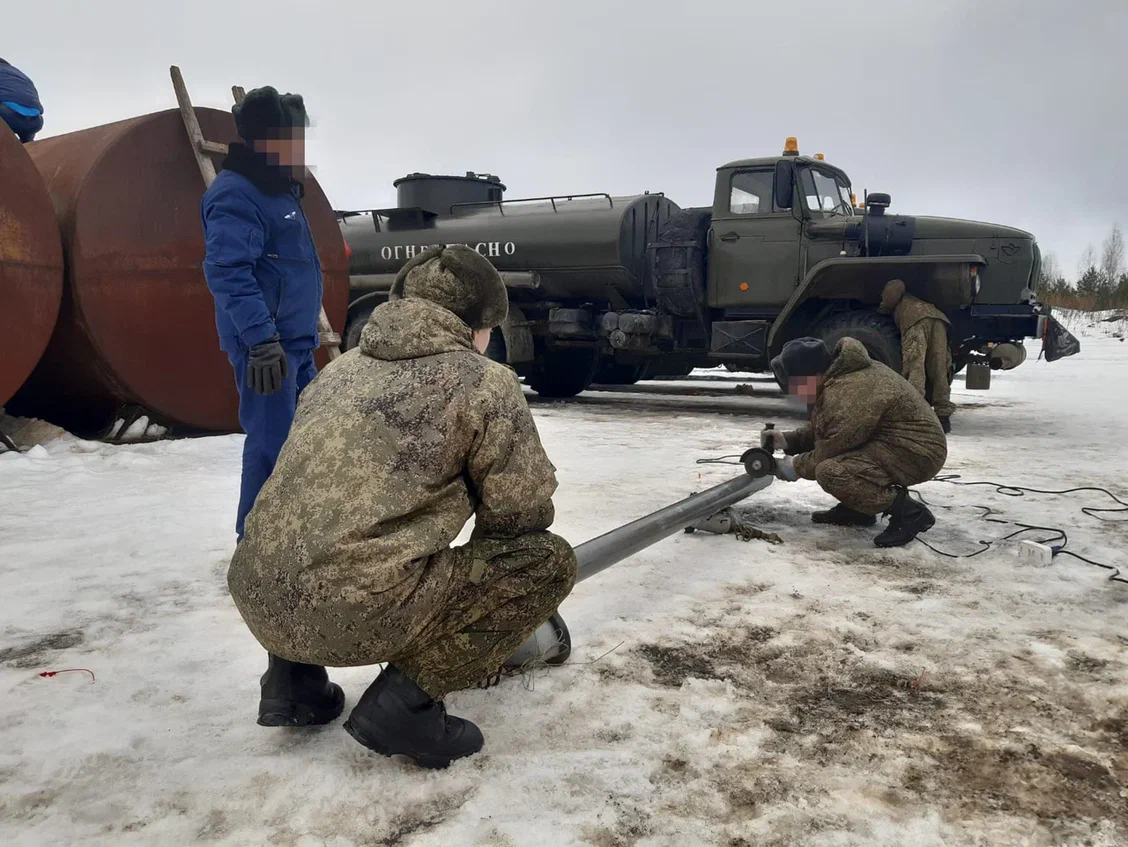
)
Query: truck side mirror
[{"x": 784, "y": 181}]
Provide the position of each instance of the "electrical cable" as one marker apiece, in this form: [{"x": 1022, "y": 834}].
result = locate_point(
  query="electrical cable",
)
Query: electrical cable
[
  {"x": 1058, "y": 534},
  {"x": 1019, "y": 491}
]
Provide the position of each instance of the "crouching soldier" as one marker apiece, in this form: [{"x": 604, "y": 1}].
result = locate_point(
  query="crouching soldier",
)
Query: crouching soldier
[
  {"x": 870, "y": 436},
  {"x": 926, "y": 359},
  {"x": 346, "y": 558}
]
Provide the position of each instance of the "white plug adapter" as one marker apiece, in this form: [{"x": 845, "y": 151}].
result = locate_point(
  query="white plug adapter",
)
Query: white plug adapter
[{"x": 1033, "y": 553}]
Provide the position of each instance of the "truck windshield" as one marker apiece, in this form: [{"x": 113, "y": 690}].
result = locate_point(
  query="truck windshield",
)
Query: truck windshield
[{"x": 826, "y": 194}]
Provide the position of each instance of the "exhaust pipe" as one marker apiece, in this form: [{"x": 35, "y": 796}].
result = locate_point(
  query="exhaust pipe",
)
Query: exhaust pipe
[{"x": 551, "y": 643}]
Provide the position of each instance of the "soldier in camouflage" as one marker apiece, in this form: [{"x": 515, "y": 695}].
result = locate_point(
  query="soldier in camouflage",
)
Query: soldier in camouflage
[
  {"x": 926, "y": 359},
  {"x": 347, "y": 558},
  {"x": 870, "y": 436}
]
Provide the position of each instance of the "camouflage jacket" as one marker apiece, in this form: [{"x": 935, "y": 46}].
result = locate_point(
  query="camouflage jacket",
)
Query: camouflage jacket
[
  {"x": 912, "y": 310},
  {"x": 392, "y": 450},
  {"x": 863, "y": 405}
]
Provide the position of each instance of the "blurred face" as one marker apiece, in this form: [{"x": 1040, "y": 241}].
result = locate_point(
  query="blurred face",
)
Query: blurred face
[
  {"x": 804, "y": 389},
  {"x": 286, "y": 151},
  {"x": 482, "y": 339}
]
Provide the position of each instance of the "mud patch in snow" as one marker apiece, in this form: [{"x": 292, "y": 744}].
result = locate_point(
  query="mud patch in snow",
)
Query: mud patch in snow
[{"x": 36, "y": 652}]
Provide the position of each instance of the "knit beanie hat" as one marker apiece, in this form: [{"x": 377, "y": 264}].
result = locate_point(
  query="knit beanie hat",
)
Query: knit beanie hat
[{"x": 801, "y": 357}]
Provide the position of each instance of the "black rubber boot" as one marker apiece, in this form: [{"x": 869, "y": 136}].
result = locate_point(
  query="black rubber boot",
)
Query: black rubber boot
[
  {"x": 294, "y": 694},
  {"x": 946, "y": 424},
  {"x": 397, "y": 717},
  {"x": 907, "y": 519},
  {"x": 843, "y": 515}
]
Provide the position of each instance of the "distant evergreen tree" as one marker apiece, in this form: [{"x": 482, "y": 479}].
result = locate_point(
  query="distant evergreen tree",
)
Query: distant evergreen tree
[{"x": 1092, "y": 284}]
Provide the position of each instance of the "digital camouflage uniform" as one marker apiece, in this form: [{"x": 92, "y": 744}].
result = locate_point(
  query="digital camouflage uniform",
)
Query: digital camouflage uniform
[
  {"x": 869, "y": 430},
  {"x": 346, "y": 559},
  {"x": 926, "y": 359}
]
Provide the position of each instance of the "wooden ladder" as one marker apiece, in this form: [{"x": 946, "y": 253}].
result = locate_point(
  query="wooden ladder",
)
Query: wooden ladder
[{"x": 204, "y": 150}]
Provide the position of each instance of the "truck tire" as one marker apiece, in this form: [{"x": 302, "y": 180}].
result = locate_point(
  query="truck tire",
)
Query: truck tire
[
  {"x": 495, "y": 350},
  {"x": 672, "y": 372},
  {"x": 562, "y": 373},
  {"x": 355, "y": 325},
  {"x": 614, "y": 374},
  {"x": 877, "y": 332}
]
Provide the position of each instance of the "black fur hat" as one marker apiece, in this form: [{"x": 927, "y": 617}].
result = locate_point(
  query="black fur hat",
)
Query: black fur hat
[
  {"x": 264, "y": 111},
  {"x": 801, "y": 357}
]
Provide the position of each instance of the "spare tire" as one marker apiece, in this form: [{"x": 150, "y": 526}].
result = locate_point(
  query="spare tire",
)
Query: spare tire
[
  {"x": 679, "y": 251},
  {"x": 877, "y": 332}
]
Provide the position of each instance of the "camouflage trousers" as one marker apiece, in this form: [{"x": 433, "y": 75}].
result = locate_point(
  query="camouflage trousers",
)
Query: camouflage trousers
[
  {"x": 926, "y": 362},
  {"x": 855, "y": 479},
  {"x": 502, "y": 590}
]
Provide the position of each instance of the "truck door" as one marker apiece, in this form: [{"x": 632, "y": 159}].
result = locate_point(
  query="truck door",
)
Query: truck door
[{"x": 753, "y": 245}]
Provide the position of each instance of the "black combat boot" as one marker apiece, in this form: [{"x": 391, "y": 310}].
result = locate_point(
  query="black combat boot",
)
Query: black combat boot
[
  {"x": 294, "y": 694},
  {"x": 843, "y": 515},
  {"x": 946, "y": 424},
  {"x": 907, "y": 519},
  {"x": 396, "y": 716}
]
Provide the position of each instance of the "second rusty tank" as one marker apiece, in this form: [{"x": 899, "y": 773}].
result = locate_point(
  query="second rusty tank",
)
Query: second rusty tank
[
  {"x": 137, "y": 323},
  {"x": 31, "y": 265}
]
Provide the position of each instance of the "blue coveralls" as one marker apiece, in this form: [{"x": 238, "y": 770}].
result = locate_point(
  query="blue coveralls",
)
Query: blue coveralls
[{"x": 262, "y": 268}]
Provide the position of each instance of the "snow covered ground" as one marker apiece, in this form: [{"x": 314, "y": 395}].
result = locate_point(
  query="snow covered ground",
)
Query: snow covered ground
[{"x": 817, "y": 692}]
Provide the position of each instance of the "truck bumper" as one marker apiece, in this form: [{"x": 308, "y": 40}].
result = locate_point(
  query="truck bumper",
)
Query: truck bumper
[
  {"x": 982, "y": 328},
  {"x": 986, "y": 324}
]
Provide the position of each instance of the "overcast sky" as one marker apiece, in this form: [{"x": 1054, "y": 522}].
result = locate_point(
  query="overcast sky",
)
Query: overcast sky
[{"x": 1013, "y": 111}]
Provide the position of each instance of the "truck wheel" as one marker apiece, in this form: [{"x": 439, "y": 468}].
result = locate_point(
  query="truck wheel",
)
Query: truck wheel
[
  {"x": 612, "y": 374},
  {"x": 562, "y": 373},
  {"x": 355, "y": 326},
  {"x": 877, "y": 332},
  {"x": 496, "y": 348},
  {"x": 674, "y": 372}
]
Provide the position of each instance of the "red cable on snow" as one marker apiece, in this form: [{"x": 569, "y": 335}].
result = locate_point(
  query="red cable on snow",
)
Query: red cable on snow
[{"x": 70, "y": 670}]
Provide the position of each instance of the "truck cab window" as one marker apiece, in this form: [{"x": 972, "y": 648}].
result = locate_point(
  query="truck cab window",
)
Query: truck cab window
[
  {"x": 751, "y": 192},
  {"x": 824, "y": 194}
]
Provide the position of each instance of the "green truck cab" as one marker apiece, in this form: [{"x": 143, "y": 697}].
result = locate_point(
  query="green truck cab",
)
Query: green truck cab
[{"x": 615, "y": 289}]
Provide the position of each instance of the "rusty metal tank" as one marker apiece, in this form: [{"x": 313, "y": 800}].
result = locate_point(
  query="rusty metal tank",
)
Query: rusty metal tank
[
  {"x": 31, "y": 265},
  {"x": 137, "y": 323}
]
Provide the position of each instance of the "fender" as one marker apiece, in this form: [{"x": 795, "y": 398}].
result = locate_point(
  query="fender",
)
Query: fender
[{"x": 945, "y": 281}]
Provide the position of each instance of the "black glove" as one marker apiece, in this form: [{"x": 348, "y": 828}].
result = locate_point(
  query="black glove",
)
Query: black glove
[{"x": 266, "y": 367}]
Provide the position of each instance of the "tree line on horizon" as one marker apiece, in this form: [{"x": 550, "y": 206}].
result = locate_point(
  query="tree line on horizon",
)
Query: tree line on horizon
[{"x": 1101, "y": 282}]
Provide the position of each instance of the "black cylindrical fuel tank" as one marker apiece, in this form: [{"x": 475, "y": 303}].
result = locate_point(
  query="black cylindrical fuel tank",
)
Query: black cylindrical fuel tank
[{"x": 577, "y": 246}]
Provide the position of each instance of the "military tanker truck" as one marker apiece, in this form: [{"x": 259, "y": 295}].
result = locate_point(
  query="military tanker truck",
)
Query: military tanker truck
[{"x": 614, "y": 288}]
